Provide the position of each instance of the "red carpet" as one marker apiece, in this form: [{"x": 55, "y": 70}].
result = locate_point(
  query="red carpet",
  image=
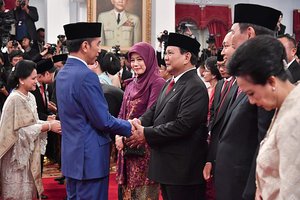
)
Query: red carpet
[{"x": 55, "y": 191}]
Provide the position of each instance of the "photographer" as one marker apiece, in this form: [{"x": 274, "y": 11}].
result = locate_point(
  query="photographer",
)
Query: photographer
[
  {"x": 31, "y": 53},
  {"x": 6, "y": 21},
  {"x": 3, "y": 80},
  {"x": 61, "y": 47},
  {"x": 25, "y": 17},
  {"x": 211, "y": 49},
  {"x": 40, "y": 38},
  {"x": 185, "y": 30},
  {"x": 162, "y": 39}
]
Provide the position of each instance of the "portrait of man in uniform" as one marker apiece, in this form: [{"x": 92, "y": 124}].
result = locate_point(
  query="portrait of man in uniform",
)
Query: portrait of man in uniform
[{"x": 121, "y": 22}]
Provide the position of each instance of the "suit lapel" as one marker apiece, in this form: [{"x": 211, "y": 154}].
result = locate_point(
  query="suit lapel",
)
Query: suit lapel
[
  {"x": 164, "y": 99},
  {"x": 179, "y": 85},
  {"x": 240, "y": 99},
  {"x": 218, "y": 93},
  {"x": 227, "y": 100}
]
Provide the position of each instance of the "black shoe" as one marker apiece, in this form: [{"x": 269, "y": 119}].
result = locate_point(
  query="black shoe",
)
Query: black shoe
[
  {"x": 61, "y": 182},
  {"x": 62, "y": 178},
  {"x": 44, "y": 196}
]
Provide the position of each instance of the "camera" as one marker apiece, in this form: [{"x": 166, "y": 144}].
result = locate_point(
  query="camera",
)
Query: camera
[
  {"x": 22, "y": 3},
  {"x": 2, "y": 84},
  {"x": 52, "y": 49},
  {"x": 62, "y": 39},
  {"x": 211, "y": 39},
  {"x": 163, "y": 37},
  {"x": 6, "y": 21},
  {"x": 15, "y": 43},
  {"x": 116, "y": 50}
]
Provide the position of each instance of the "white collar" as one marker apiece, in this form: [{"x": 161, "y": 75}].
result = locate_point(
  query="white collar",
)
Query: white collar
[
  {"x": 74, "y": 57},
  {"x": 121, "y": 13},
  {"x": 290, "y": 63},
  {"x": 180, "y": 75}
]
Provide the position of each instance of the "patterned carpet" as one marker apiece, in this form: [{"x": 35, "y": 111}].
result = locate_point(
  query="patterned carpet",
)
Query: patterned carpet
[{"x": 51, "y": 170}]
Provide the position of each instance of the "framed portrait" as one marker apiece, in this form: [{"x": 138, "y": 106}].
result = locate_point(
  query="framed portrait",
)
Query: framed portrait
[{"x": 132, "y": 25}]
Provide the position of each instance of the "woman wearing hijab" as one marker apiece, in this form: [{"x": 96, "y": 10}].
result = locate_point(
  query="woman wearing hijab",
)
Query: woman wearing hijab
[
  {"x": 140, "y": 94},
  {"x": 260, "y": 67}
]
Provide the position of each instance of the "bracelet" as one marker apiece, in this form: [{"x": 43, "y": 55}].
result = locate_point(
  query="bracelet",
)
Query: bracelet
[{"x": 49, "y": 126}]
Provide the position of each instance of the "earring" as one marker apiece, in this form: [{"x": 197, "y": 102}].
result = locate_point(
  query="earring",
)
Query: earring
[
  {"x": 22, "y": 83},
  {"x": 273, "y": 89}
]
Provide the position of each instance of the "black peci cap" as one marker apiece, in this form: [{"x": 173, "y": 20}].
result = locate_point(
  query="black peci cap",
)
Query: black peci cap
[
  {"x": 184, "y": 42},
  {"x": 256, "y": 14},
  {"x": 45, "y": 65},
  {"x": 82, "y": 30},
  {"x": 60, "y": 57},
  {"x": 220, "y": 57}
]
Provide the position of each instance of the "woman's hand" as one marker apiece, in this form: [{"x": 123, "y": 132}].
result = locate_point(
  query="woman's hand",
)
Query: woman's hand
[
  {"x": 258, "y": 195},
  {"x": 119, "y": 142},
  {"x": 207, "y": 171},
  {"x": 55, "y": 126}
]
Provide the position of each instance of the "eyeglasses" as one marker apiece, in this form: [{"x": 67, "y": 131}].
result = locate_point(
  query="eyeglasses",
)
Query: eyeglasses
[{"x": 222, "y": 65}]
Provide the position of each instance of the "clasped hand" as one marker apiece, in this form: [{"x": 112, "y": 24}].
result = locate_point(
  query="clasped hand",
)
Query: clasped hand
[{"x": 137, "y": 139}]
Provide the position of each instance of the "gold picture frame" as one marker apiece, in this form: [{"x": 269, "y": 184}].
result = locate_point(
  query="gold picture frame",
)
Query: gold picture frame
[{"x": 140, "y": 8}]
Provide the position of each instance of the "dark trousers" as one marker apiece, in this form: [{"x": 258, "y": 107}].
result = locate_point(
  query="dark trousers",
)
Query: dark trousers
[
  {"x": 181, "y": 192},
  {"x": 87, "y": 189},
  {"x": 42, "y": 163}
]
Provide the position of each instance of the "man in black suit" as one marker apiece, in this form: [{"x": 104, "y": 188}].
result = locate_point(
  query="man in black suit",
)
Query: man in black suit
[
  {"x": 45, "y": 70},
  {"x": 290, "y": 46},
  {"x": 25, "y": 17},
  {"x": 224, "y": 91},
  {"x": 280, "y": 27},
  {"x": 114, "y": 97},
  {"x": 244, "y": 124},
  {"x": 175, "y": 127}
]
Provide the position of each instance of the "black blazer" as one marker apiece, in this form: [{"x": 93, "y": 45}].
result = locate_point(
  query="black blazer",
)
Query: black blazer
[
  {"x": 216, "y": 102},
  {"x": 217, "y": 122},
  {"x": 114, "y": 98},
  {"x": 294, "y": 69},
  {"x": 42, "y": 108},
  {"x": 30, "y": 18},
  {"x": 176, "y": 131},
  {"x": 243, "y": 128}
]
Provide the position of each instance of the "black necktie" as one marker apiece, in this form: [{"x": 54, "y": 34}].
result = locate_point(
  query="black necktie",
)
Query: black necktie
[{"x": 118, "y": 20}]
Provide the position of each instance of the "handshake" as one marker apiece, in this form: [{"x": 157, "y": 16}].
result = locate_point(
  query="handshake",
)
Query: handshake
[{"x": 137, "y": 139}]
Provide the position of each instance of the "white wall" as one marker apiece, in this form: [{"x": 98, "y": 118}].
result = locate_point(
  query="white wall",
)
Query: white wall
[
  {"x": 41, "y": 6},
  {"x": 53, "y": 14},
  {"x": 163, "y": 18}
]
